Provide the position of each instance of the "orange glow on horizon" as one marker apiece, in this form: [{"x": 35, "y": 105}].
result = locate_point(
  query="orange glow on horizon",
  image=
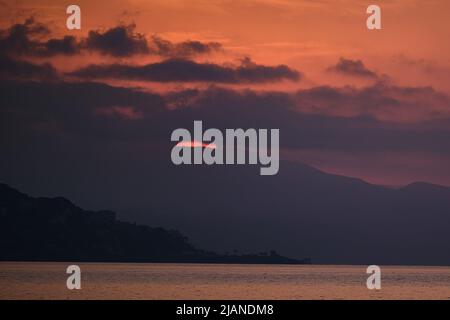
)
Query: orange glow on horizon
[{"x": 196, "y": 144}]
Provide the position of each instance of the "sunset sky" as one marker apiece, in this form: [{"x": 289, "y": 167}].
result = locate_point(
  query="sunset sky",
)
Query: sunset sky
[{"x": 368, "y": 104}]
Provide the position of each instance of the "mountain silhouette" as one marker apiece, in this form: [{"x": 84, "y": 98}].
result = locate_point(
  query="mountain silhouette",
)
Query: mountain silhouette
[
  {"x": 54, "y": 229},
  {"x": 302, "y": 212}
]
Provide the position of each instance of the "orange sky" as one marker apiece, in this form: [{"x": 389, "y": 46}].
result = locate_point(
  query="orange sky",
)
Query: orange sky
[{"x": 304, "y": 34}]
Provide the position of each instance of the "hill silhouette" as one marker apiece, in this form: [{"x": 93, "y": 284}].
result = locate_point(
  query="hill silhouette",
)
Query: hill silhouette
[
  {"x": 54, "y": 229},
  {"x": 302, "y": 212}
]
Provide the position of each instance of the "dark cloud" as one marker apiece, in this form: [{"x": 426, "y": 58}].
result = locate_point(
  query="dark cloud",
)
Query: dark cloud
[
  {"x": 66, "y": 46},
  {"x": 21, "y": 39},
  {"x": 24, "y": 40},
  {"x": 82, "y": 111},
  {"x": 119, "y": 41},
  {"x": 189, "y": 71},
  {"x": 30, "y": 27},
  {"x": 16, "y": 39},
  {"x": 362, "y": 132},
  {"x": 382, "y": 101},
  {"x": 75, "y": 98},
  {"x": 188, "y": 48},
  {"x": 352, "y": 68},
  {"x": 124, "y": 41},
  {"x": 98, "y": 110},
  {"x": 25, "y": 70}
]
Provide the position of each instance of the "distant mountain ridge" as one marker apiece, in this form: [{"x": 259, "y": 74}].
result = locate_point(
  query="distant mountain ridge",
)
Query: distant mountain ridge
[
  {"x": 302, "y": 211},
  {"x": 54, "y": 229}
]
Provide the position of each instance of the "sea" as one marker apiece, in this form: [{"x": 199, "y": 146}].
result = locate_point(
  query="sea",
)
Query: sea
[{"x": 47, "y": 280}]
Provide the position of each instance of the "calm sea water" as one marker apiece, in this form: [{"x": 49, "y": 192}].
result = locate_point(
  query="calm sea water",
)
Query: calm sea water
[{"x": 206, "y": 281}]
